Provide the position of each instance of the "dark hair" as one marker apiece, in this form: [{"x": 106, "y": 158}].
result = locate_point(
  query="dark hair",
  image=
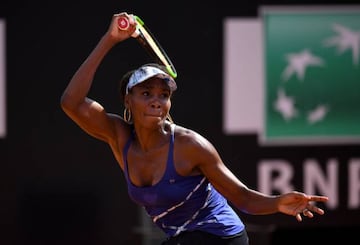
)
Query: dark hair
[{"x": 125, "y": 79}]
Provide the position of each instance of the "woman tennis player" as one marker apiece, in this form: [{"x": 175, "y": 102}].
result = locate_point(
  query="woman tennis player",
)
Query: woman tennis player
[{"x": 175, "y": 173}]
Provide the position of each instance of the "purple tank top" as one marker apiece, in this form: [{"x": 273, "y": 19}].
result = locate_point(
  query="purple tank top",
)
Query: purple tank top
[{"x": 184, "y": 203}]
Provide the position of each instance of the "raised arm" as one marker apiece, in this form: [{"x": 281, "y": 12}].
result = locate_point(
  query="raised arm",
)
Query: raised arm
[{"x": 87, "y": 113}]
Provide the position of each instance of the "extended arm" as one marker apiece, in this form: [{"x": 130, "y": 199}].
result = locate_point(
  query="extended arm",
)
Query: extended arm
[{"x": 207, "y": 160}]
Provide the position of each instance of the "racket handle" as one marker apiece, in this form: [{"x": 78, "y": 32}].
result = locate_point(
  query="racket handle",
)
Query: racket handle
[{"x": 123, "y": 24}]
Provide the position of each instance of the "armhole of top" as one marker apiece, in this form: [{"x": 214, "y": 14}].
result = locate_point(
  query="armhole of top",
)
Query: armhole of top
[{"x": 125, "y": 151}]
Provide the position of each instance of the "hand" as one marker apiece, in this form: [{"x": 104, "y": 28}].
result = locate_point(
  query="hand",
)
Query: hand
[
  {"x": 297, "y": 204},
  {"x": 116, "y": 33}
]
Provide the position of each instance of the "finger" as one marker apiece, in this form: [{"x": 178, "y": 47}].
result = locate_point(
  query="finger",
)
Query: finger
[
  {"x": 298, "y": 217},
  {"x": 121, "y": 14},
  {"x": 319, "y": 211},
  {"x": 316, "y": 210},
  {"x": 319, "y": 198},
  {"x": 308, "y": 213}
]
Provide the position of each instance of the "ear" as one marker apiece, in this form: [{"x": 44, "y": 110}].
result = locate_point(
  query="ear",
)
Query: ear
[{"x": 126, "y": 101}]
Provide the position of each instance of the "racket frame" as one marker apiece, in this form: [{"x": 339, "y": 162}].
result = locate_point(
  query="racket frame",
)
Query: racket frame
[{"x": 148, "y": 41}]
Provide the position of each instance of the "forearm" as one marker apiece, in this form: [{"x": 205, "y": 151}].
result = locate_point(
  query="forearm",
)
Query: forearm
[
  {"x": 81, "y": 81},
  {"x": 254, "y": 202}
]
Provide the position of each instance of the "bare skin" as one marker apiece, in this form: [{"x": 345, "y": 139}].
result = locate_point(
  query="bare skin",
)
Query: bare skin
[{"x": 149, "y": 103}]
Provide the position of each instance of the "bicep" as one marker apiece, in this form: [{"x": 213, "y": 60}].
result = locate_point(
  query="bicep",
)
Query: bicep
[
  {"x": 221, "y": 177},
  {"x": 93, "y": 119}
]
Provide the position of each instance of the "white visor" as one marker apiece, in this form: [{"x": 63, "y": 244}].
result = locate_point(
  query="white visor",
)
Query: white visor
[{"x": 145, "y": 72}]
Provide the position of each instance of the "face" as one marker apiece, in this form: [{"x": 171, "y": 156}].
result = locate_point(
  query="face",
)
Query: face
[{"x": 149, "y": 102}]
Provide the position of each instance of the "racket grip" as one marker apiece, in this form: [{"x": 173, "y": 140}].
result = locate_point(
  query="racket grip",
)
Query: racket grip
[{"x": 123, "y": 24}]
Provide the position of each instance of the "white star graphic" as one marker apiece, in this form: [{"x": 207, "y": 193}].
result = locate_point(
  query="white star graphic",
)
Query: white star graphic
[
  {"x": 347, "y": 39},
  {"x": 298, "y": 62},
  {"x": 317, "y": 114},
  {"x": 285, "y": 105}
]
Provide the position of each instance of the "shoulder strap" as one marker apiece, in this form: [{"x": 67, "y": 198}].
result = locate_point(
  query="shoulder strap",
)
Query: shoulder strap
[{"x": 125, "y": 152}]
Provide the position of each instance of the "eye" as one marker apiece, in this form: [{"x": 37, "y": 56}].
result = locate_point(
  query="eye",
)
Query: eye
[
  {"x": 165, "y": 95},
  {"x": 145, "y": 93}
]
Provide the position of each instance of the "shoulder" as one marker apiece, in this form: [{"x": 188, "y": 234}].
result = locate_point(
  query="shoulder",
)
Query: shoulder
[
  {"x": 189, "y": 140},
  {"x": 186, "y": 135},
  {"x": 194, "y": 151},
  {"x": 121, "y": 132},
  {"x": 123, "y": 129}
]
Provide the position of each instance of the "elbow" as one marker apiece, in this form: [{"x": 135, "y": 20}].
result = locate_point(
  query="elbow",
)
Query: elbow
[{"x": 66, "y": 103}]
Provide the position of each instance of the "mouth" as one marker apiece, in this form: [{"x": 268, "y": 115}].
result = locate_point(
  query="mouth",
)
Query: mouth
[{"x": 154, "y": 115}]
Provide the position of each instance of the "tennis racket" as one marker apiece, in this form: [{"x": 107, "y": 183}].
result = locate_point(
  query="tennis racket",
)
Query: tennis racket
[{"x": 148, "y": 41}]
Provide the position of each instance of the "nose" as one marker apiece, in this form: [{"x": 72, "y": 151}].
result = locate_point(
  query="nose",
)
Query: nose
[{"x": 155, "y": 103}]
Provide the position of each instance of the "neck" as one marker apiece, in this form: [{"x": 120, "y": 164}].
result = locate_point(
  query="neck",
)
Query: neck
[{"x": 149, "y": 140}]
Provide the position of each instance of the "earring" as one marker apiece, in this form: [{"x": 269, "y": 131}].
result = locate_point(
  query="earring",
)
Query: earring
[
  {"x": 169, "y": 118},
  {"x": 127, "y": 115}
]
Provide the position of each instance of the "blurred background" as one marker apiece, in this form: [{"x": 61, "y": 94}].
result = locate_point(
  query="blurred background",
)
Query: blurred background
[{"x": 60, "y": 186}]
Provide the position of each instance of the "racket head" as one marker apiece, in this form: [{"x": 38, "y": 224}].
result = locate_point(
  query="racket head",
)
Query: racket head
[{"x": 153, "y": 47}]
